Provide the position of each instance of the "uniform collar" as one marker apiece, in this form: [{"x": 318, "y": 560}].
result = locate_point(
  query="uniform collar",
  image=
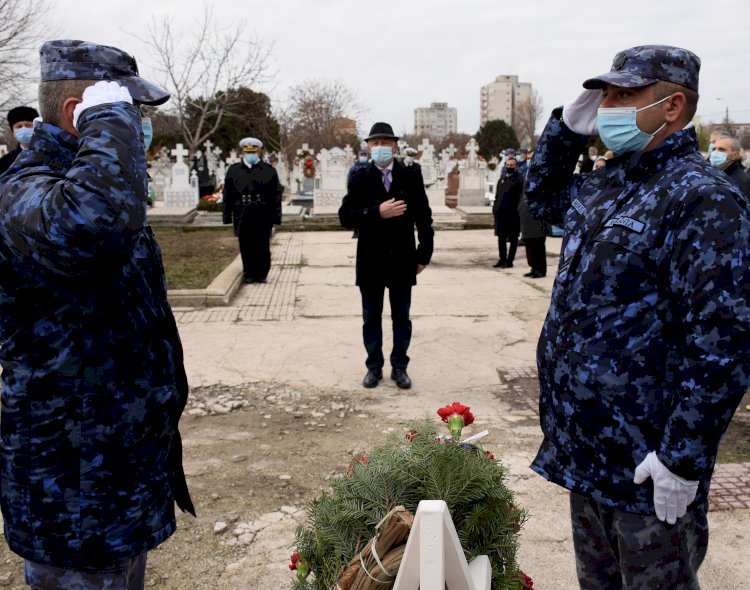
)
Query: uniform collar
[
  {"x": 645, "y": 164},
  {"x": 53, "y": 146}
]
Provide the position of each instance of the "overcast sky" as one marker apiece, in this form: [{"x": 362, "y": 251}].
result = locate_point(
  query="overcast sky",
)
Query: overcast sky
[{"x": 399, "y": 55}]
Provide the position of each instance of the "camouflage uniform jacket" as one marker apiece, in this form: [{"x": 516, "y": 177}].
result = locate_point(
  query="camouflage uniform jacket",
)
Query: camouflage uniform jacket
[
  {"x": 647, "y": 338},
  {"x": 93, "y": 377}
]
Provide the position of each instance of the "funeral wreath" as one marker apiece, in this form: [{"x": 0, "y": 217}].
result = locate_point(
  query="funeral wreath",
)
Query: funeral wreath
[{"x": 355, "y": 534}]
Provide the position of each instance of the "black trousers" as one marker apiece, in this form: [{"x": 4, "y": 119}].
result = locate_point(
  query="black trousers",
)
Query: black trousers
[
  {"x": 504, "y": 236},
  {"x": 255, "y": 250},
  {"x": 372, "y": 325},
  {"x": 536, "y": 254}
]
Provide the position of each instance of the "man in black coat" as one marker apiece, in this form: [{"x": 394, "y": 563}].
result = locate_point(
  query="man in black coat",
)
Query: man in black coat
[
  {"x": 505, "y": 211},
  {"x": 252, "y": 200},
  {"x": 385, "y": 201},
  {"x": 21, "y": 121},
  {"x": 726, "y": 157}
]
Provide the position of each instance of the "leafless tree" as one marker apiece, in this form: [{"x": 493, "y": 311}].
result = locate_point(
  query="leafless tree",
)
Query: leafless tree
[
  {"x": 199, "y": 68},
  {"x": 23, "y": 24},
  {"x": 526, "y": 115},
  {"x": 322, "y": 114}
]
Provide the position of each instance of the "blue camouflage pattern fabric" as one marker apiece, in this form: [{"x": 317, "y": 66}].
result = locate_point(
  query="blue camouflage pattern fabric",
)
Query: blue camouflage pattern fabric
[
  {"x": 647, "y": 64},
  {"x": 93, "y": 377},
  {"x": 646, "y": 343}
]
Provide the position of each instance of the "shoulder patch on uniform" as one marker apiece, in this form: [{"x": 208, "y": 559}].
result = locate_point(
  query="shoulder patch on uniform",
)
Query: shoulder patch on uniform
[
  {"x": 578, "y": 206},
  {"x": 628, "y": 222}
]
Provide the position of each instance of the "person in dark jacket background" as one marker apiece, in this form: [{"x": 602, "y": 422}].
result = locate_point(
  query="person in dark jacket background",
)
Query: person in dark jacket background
[
  {"x": 252, "y": 201},
  {"x": 93, "y": 376},
  {"x": 643, "y": 357},
  {"x": 726, "y": 157},
  {"x": 21, "y": 121},
  {"x": 505, "y": 212},
  {"x": 385, "y": 202}
]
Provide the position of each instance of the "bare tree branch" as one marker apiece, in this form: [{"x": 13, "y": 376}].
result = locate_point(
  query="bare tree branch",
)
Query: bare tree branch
[
  {"x": 23, "y": 24},
  {"x": 199, "y": 73},
  {"x": 526, "y": 115}
]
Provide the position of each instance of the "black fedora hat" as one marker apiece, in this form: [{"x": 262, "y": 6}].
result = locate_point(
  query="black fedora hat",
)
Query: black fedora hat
[{"x": 381, "y": 131}]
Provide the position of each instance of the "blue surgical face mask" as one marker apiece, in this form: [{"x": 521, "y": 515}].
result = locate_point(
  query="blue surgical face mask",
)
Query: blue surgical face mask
[
  {"x": 618, "y": 128},
  {"x": 251, "y": 158},
  {"x": 363, "y": 160},
  {"x": 382, "y": 154},
  {"x": 710, "y": 148},
  {"x": 717, "y": 159},
  {"x": 23, "y": 135},
  {"x": 148, "y": 132},
  {"x": 409, "y": 159}
]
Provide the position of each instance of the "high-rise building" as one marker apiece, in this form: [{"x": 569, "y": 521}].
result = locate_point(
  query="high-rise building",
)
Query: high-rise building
[
  {"x": 500, "y": 99},
  {"x": 437, "y": 121}
]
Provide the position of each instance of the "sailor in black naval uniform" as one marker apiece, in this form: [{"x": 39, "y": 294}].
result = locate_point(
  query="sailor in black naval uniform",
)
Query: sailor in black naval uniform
[{"x": 252, "y": 201}]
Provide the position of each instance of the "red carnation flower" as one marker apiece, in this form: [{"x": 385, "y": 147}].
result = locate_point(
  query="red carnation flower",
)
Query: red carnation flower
[
  {"x": 410, "y": 435},
  {"x": 490, "y": 456},
  {"x": 528, "y": 583},
  {"x": 294, "y": 559},
  {"x": 456, "y": 416}
]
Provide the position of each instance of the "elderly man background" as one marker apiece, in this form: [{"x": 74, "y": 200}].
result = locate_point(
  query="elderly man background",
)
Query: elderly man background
[
  {"x": 643, "y": 357},
  {"x": 726, "y": 157}
]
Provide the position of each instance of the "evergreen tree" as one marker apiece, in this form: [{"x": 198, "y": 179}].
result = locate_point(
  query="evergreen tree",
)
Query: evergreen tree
[{"x": 495, "y": 136}]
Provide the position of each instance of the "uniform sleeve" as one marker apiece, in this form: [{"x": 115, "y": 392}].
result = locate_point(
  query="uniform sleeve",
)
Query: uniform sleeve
[
  {"x": 352, "y": 213},
  {"x": 278, "y": 193},
  {"x": 70, "y": 223},
  {"x": 709, "y": 281},
  {"x": 228, "y": 198},
  {"x": 551, "y": 181},
  {"x": 422, "y": 219}
]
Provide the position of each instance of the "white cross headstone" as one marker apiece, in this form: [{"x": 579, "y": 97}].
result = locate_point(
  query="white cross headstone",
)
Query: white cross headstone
[
  {"x": 181, "y": 193},
  {"x": 427, "y": 162},
  {"x": 471, "y": 149},
  {"x": 304, "y": 150}
]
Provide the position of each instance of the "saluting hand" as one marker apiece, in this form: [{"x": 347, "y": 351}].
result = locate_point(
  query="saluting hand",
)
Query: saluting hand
[{"x": 392, "y": 208}]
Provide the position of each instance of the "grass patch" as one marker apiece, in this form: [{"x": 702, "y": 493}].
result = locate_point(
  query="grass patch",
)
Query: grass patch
[{"x": 193, "y": 257}]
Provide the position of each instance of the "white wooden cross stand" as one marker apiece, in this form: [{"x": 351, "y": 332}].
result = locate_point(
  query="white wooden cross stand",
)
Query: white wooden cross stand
[{"x": 434, "y": 559}]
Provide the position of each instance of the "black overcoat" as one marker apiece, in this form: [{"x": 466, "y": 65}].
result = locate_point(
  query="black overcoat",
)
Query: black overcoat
[
  {"x": 260, "y": 182},
  {"x": 505, "y": 208},
  {"x": 387, "y": 252}
]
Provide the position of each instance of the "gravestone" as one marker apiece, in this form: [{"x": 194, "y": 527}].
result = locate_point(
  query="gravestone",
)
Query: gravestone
[
  {"x": 333, "y": 168},
  {"x": 427, "y": 162},
  {"x": 472, "y": 179},
  {"x": 181, "y": 193}
]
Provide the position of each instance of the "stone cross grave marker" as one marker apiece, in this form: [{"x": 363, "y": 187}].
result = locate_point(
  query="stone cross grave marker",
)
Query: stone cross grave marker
[{"x": 180, "y": 193}]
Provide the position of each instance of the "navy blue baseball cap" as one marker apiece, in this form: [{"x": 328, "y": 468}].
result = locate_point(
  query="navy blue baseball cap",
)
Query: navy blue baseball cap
[
  {"x": 66, "y": 59},
  {"x": 648, "y": 64}
]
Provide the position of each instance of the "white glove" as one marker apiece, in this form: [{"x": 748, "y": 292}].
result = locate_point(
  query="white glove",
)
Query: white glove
[
  {"x": 580, "y": 114},
  {"x": 101, "y": 93},
  {"x": 672, "y": 494}
]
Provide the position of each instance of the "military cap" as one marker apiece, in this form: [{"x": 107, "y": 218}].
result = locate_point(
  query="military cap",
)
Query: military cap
[
  {"x": 381, "y": 131},
  {"x": 523, "y": 151},
  {"x": 410, "y": 151},
  {"x": 647, "y": 64},
  {"x": 21, "y": 114},
  {"x": 66, "y": 59},
  {"x": 251, "y": 144}
]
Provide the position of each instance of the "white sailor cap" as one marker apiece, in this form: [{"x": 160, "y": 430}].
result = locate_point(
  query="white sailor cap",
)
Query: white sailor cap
[
  {"x": 410, "y": 151},
  {"x": 251, "y": 144}
]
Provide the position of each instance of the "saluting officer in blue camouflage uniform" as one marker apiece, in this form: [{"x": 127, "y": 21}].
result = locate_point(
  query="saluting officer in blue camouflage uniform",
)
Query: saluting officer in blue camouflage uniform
[
  {"x": 93, "y": 377},
  {"x": 643, "y": 357},
  {"x": 252, "y": 201}
]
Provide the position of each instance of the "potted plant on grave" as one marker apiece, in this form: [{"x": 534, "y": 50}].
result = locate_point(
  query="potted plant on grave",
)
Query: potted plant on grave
[{"x": 373, "y": 502}]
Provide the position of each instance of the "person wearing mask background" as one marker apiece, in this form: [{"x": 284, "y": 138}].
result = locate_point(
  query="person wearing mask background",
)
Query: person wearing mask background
[
  {"x": 643, "y": 357},
  {"x": 726, "y": 157},
  {"x": 505, "y": 212},
  {"x": 385, "y": 202},
  {"x": 409, "y": 157},
  {"x": 252, "y": 202},
  {"x": 21, "y": 121}
]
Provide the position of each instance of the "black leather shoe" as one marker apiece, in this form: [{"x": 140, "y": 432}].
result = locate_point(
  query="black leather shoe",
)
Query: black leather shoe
[
  {"x": 507, "y": 265},
  {"x": 401, "y": 378},
  {"x": 498, "y": 264},
  {"x": 529, "y": 274},
  {"x": 372, "y": 378},
  {"x": 248, "y": 281},
  {"x": 537, "y": 275}
]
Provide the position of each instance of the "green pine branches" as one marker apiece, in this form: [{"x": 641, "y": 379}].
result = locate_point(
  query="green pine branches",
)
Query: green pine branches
[{"x": 402, "y": 472}]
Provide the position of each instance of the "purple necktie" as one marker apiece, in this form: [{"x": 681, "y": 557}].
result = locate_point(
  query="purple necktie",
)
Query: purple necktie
[{"x": 386, "y": 180}]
